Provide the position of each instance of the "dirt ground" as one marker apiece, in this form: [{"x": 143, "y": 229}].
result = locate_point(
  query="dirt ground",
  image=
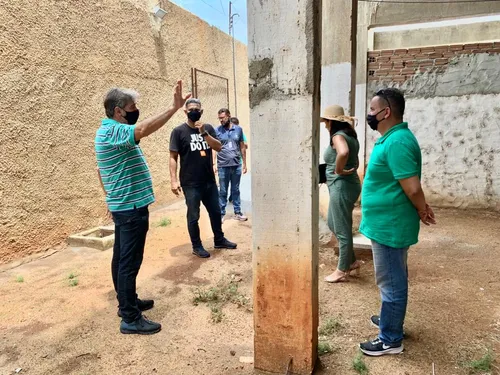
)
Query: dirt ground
[{"x": 48, "y": 326}]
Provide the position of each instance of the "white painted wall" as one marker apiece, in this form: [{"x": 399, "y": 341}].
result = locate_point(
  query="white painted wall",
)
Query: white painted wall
[{"x": 335, "y": 89}]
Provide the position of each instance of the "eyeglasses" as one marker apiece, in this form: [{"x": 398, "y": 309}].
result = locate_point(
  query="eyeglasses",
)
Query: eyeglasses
[{"x": 383, "y": 95}]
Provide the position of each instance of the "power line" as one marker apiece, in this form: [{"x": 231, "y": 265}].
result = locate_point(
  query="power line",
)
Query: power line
[
  {"x": 222, "y": 6},
  {"x": 428, "y": 2},
  {"x": 217, "y": 10}
]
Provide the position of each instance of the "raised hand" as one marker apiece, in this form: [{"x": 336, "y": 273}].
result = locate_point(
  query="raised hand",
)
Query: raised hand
[{"x": 179, "y": 99}]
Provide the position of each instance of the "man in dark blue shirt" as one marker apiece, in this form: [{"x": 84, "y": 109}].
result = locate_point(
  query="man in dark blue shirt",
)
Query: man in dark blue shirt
[{"x": 231, "y": 162}]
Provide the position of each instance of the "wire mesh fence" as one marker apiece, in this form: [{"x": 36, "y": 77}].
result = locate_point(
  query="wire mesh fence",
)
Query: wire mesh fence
[{"x": 213, "y": 91}]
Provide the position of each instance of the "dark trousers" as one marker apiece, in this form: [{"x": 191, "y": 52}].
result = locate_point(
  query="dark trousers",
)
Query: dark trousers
[
  {"x": 131, "y": 228},
  {"x": 209, "y": 195}
]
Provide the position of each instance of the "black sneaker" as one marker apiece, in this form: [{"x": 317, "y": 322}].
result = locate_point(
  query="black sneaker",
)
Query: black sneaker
[
  {"x": 225, "y": 244},
  {"x": 141, "y": 326},
  {"x": 375, "y": 321},
  {"x": 200, "y": 252},
  {"x": 377, "y": 348},
  {"x": 142, "y": 304}
]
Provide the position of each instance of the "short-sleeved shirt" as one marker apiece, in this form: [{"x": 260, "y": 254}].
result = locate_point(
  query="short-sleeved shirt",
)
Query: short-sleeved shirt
[
  {"x": 195, "y": 154},
  {"x": 124, "y": 172},
  {"x": 330, "y": 157},
  {"x": 230, "y": 154},
  {"x": 388, "y": 215}
]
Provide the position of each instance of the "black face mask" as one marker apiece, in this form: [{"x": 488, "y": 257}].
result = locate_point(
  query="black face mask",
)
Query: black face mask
[
  {"x": 373, "y": 121},
  {"x": 132, "y": 117},
  {"x": 194, "y": 115}
]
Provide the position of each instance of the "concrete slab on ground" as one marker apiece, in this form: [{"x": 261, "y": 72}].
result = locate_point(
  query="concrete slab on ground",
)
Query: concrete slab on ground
[
  {"x": 101, "y": 238},
  {"x": 362, "y": 245}
]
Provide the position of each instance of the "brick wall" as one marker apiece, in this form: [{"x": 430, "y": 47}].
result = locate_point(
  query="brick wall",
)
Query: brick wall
[{"x": 400, "y": 65}]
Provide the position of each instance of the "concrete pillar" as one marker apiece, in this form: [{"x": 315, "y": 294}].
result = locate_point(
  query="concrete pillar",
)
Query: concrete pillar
[
  {"x": 338, "y": 62},
  {"x": 366, "y": 12},
  {"x": 285, "y": 66},
  {"x": 338, "y": 65},
  {"x": 338, "y": 68}
]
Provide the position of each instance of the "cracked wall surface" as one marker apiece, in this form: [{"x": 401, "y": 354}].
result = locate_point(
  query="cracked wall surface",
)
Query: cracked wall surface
[{"x": 453, "y": 107}]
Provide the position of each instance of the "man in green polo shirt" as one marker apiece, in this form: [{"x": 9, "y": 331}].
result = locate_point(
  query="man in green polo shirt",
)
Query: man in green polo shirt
[
  {"x": 126, "y": 181},
  {"x": 393, "y": 204}
]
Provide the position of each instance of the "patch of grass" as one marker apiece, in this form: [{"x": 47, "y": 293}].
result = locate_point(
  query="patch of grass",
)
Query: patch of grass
[
  {"x": 72, "y": 276},
  {"x": 480, "y": 365},
  {"x": 205, "y": 295},
  {"x": 165, "y": 222},
  {"x": 359, "y": 365},
  {"x": 324, "y": 348},
  {"x": 216, "y": 313},
  {"x": 226, "y": 291},
  {"x": 330, "y": 326},
  {"x": 19, "y": 279},
  {"x": 73, "y": 282}
]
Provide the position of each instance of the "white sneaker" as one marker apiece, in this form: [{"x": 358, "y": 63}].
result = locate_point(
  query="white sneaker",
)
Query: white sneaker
[{"x": 240, "y": 217}]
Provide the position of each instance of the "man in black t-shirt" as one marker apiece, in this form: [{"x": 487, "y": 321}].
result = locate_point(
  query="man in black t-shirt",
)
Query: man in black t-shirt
[{"x": 193, "y": 142}]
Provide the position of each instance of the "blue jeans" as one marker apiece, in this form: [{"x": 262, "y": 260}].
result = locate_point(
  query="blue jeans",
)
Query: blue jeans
[
  {"x": 131, "y": 228},
  {"x": 391, "y": 274},
  {"x": 227, "y": 175},
  {"x": 208, "y": 195}
]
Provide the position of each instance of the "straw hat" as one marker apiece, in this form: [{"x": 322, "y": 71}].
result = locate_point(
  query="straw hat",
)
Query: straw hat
[{"x": 336, "y": 113}]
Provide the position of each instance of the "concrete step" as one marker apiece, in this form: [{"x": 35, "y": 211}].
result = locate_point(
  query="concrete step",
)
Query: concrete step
[{"x": 362, "y": 245}]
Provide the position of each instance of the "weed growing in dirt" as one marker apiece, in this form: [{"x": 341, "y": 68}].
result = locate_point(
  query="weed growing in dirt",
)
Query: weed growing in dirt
[
  {"x": 73, "y": 280},
  {"x": 329, "y": 327},
  {"x": 324, "y": 348},
  {"x": 359, "y": 365},
  {"x": 226, "y": 291},
  {"x": 205, "y": 295},
  {"x": 480, "y": 365},
  {"x": 71, "y": 276},
  {"x": 165, "y": 222},
  {"x": 19, "y": 279},
  {"x": 216, "y": 314}
]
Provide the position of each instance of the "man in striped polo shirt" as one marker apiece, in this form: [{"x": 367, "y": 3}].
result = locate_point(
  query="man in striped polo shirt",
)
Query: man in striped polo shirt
[{"x": 126, "y": 180}]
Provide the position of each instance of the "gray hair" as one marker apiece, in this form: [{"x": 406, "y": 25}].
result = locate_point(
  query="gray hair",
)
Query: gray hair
[
  {"x": 193, "y": 101},
  {"x": 118, "y": 98}
]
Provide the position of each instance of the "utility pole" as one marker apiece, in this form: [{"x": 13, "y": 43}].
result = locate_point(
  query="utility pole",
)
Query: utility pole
[{"x": 231, "y": 33}]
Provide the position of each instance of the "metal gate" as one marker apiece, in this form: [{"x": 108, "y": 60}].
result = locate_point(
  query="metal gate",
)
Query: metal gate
[{"x": 213, "y": 91}]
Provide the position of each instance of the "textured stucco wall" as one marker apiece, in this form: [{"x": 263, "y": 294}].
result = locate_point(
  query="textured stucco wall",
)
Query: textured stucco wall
[
  {"x": 57, "y": 60},
  {"x": 454, "y": 111}
]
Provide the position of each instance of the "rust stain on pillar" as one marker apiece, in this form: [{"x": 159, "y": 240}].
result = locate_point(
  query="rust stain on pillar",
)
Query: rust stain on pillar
[
  {"x": 284, "y": 72},
  {"x": 284, "y": 312}
]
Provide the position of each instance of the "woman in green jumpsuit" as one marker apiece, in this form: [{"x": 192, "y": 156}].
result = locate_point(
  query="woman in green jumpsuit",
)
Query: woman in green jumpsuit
[{"x": 344, "y": 186}]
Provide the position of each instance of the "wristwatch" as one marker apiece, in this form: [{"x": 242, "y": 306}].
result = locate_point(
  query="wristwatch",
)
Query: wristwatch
[{"x": 204, "y": 134}]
